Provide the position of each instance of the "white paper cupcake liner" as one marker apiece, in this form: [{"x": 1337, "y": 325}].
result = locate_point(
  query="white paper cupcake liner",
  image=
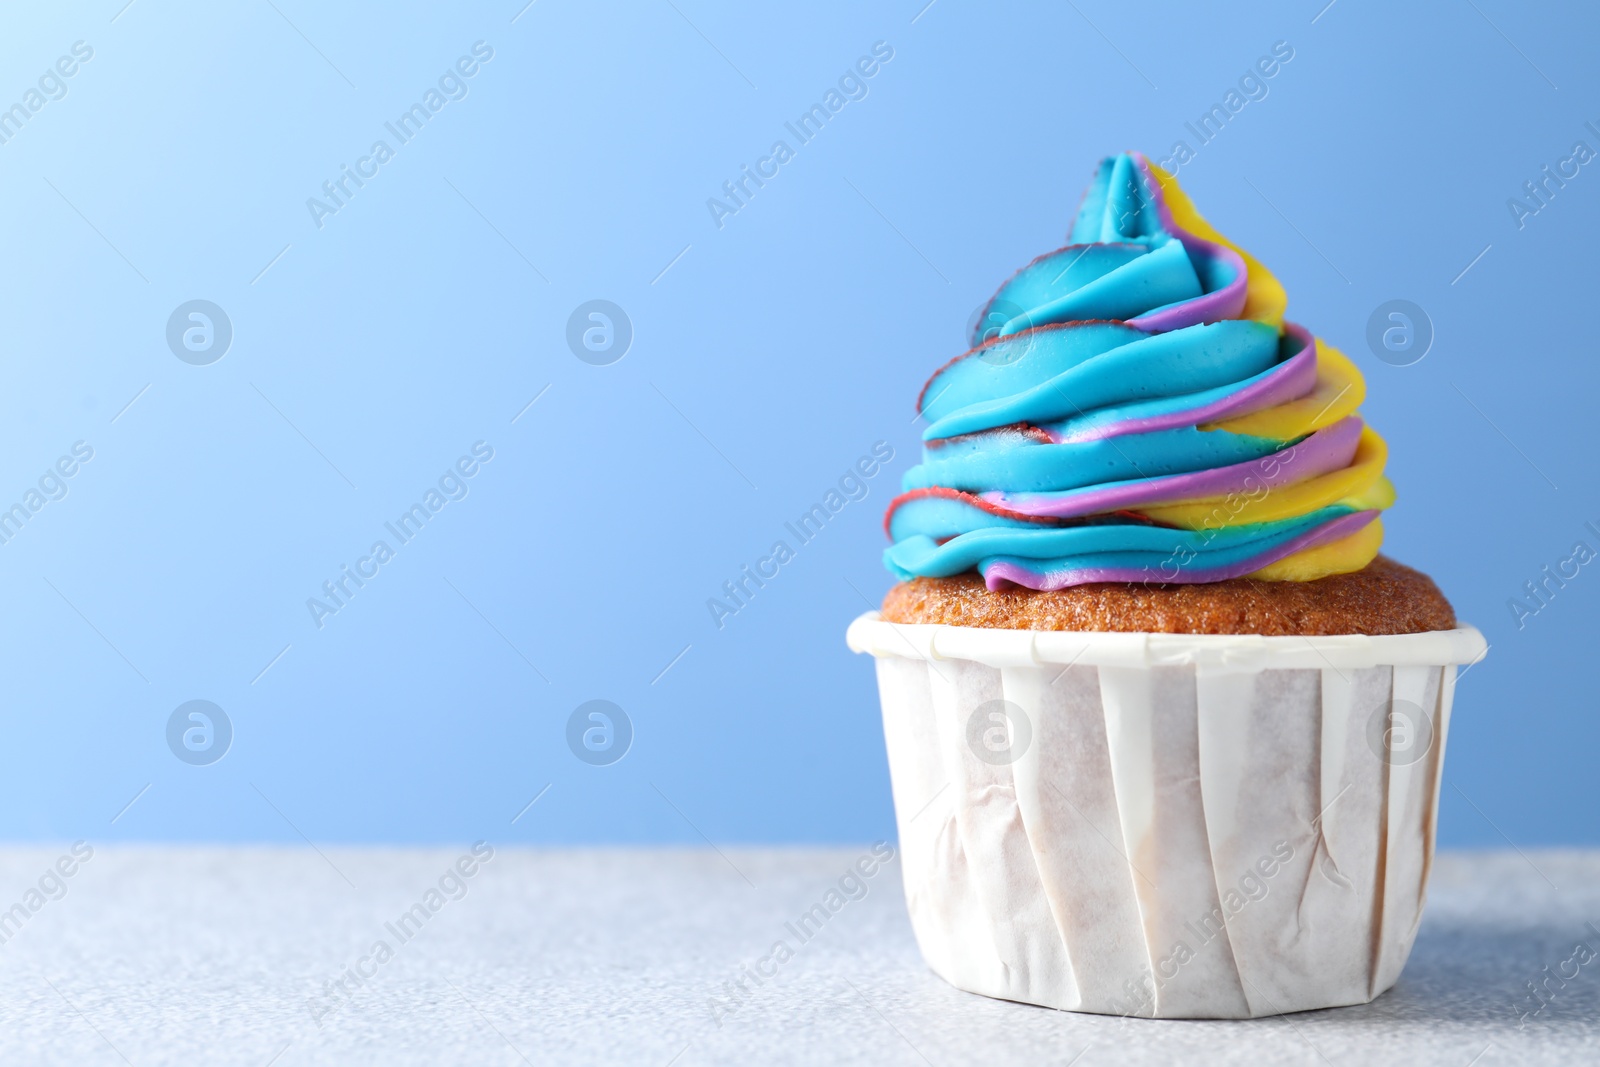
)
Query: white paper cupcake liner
[{"x": 1165, "y": 825}]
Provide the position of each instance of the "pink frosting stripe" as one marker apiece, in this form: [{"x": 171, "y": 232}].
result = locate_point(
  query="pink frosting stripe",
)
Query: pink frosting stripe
[
  {"x": 1224, "y": 303},
  {"x": 1000, "y": 572},
  {"x": 1329, "y": 449},
  {"x": 1292, "y": 379}
]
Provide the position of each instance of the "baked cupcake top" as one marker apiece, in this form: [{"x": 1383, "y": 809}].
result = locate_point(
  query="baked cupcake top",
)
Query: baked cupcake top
[
  {"x": 1135, "y": 408},
  {"x": 1383, "y": 597}
]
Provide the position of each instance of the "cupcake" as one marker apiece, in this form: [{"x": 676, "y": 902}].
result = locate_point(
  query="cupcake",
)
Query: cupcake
[{"x": 1165, "y": 731}]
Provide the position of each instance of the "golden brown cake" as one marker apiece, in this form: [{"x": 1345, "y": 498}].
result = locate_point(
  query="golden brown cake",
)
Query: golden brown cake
[{"x": 1385, "y": 597}]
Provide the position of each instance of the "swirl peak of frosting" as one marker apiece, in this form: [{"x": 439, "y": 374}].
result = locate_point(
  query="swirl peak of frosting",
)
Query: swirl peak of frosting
[{"x": 1135, "y": 408}]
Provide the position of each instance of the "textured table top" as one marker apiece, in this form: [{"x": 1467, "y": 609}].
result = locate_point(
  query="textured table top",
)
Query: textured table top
[{"x": 228, "y": 956}]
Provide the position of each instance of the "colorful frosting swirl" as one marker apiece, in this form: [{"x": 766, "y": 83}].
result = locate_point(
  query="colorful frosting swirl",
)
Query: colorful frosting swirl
[{"x": 1136, "y": 409}]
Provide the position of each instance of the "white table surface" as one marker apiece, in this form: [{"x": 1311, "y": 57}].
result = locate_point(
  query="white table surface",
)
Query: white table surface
[{"x": 211, "y": 956}]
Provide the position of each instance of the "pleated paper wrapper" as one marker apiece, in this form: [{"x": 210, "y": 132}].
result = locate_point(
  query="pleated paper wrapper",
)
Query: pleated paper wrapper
[{"x": 1183, "y": 827}]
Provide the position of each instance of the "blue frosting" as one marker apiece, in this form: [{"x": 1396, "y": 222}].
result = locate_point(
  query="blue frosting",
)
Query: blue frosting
[{"x": 1092, "y": 371}]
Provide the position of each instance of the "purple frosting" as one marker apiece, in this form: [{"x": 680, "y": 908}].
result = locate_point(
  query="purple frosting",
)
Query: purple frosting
[
  {"x": 1329, "y": 449},
  {"x": 998, "y": 573},
  {"x": 1290, "y": 380}
]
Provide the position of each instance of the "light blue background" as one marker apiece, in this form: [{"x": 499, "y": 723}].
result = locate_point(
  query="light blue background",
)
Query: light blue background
[{"x": 770, "y": 356}]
